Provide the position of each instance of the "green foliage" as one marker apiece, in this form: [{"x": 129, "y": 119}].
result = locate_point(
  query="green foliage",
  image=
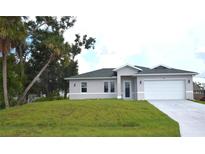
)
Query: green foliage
[
  {"x": 44, "y": 99},
  {"x": 11, "y": 26},
  {"x": 76, "y": 48},
  {"x": 35, "y": 42},
  {"x": 12, "y": 30},
  {"x": 14, "y": 82},
  {"x": 105, "y": 117},
  {"x": 50, "y": 23},
  {"x": 48, "y": 41}
]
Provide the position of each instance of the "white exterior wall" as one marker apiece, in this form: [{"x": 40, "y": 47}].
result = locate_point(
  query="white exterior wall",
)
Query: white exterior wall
[
  {"x": 95, "y": 89},
  {"x": 188, "y": 86}
]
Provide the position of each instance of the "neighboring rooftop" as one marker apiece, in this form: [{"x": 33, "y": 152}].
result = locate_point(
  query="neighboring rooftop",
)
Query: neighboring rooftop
[{"x": 108, "y": 72}]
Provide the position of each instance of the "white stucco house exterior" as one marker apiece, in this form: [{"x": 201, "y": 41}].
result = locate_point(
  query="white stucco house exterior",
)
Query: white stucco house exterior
[{"x": 133, "y": 82}]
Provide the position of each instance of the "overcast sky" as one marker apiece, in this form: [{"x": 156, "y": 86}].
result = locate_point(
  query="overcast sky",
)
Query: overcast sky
[
  {"x": 136, "y": 32},
  {"x": 145, "y": 33}
]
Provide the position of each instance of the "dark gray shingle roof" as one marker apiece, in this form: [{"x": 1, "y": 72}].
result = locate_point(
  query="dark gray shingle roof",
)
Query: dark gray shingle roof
[
  {"x": 104, "y": 72},
  {"x": 108, "y": 72},
  {"x": 162, "y": 69}
]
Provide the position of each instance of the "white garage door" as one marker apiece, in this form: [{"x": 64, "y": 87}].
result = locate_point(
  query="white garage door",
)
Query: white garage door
[{"x": 164, "y": 89}]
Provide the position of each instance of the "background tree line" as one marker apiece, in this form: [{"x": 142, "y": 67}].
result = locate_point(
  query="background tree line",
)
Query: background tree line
[{"x": 35, "y": 57}]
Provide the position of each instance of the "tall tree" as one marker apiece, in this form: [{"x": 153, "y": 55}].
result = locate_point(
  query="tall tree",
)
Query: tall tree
[
  {"x": 12, "y": 30},
  {"x": 52, "y": 80},
  {"x": 48, "y": 41},
  {"x": 14, "y": 80},
  {"x": 21, "y": 49}
]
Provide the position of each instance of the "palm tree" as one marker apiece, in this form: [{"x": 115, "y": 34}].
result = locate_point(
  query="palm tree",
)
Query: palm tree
[
  {"x": 48, "y": 32},
  {"x": 12, "y": 30},
  {"x": 55, "y": 45}
]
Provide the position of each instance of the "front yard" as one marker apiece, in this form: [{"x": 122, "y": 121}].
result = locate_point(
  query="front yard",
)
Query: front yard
[{"x": 106, "y": 117}]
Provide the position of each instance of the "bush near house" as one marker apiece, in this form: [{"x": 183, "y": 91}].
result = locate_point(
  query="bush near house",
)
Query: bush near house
[{"x": 43, "y": 99}]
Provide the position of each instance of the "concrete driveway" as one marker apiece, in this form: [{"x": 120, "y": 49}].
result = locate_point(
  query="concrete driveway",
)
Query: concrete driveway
[{"x": 189, "y": 115}]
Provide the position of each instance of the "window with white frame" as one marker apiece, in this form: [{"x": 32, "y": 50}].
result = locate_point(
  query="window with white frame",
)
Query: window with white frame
[
  {"x": 106, "y": 87},
  {"x": 109, "y": 86},
  {"x": 112, "y": 86},
  {"x": 83, "y": 87}
]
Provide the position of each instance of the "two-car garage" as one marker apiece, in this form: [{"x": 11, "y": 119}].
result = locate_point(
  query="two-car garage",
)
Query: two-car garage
[{"x": 164, "y": 89}]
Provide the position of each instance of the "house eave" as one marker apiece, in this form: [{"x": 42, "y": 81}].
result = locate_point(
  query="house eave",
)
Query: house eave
[
  {"x": 90, "y": 78},
  {"x": 156, "y": 74}
]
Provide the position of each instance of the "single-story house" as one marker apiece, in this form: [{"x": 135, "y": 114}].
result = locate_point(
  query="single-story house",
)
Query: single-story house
[{"x": 133, "y": 82}]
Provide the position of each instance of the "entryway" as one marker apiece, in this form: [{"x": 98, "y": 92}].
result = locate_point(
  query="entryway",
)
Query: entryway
[{"x": 127, "y": 89}]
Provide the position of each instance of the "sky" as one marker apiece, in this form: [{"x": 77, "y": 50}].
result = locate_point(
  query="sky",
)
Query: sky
[
  {"x": 146, "y": 33},
  {"x": 135, "y": 32}
]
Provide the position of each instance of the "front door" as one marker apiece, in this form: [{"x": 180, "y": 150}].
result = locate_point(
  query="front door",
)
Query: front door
[{"x": 127, "y": 89}]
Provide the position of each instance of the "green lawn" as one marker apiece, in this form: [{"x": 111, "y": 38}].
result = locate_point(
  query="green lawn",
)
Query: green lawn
[
  {"x": 201, "y": 102},
  {"x": 106, "y": 117}
]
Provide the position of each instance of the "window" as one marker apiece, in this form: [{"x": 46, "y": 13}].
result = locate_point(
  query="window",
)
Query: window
[
  {"x": 83, "y": 87},
  {"x": 112, "y": 86},
  {"x": 105, "y": 87}
]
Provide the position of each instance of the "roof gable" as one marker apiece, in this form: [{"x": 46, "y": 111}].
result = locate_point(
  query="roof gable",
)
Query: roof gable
[
  {"x": 134, "y": 67},
  {"x": 161, "y": 67},
  {"x": 127, "y": 71}
]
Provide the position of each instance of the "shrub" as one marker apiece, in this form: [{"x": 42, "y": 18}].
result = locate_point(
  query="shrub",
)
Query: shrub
[{"x": 43, "y": 99}]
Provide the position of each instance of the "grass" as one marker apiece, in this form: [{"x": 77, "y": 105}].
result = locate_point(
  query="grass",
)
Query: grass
[
  {"x": 106, "y": 117},
  {"x": 201, "y": 102}
]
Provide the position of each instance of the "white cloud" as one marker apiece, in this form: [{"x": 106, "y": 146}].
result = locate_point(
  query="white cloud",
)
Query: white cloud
[
  {"x": 84, "y": 66},
  {"x": 159, "y": 32}
]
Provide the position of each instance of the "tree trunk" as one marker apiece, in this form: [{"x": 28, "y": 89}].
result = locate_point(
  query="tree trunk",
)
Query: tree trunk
[
  {"x": 21, "y": 63},
  {"x": 65, "y": 89},
  {"x": 6, "y": 101},
  {"x": 21, "y": 99},
  {"x": 65, "y": 93}
]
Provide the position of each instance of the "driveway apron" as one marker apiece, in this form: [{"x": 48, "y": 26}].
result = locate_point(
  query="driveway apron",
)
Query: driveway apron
[{"x": 189, "y": 115}]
